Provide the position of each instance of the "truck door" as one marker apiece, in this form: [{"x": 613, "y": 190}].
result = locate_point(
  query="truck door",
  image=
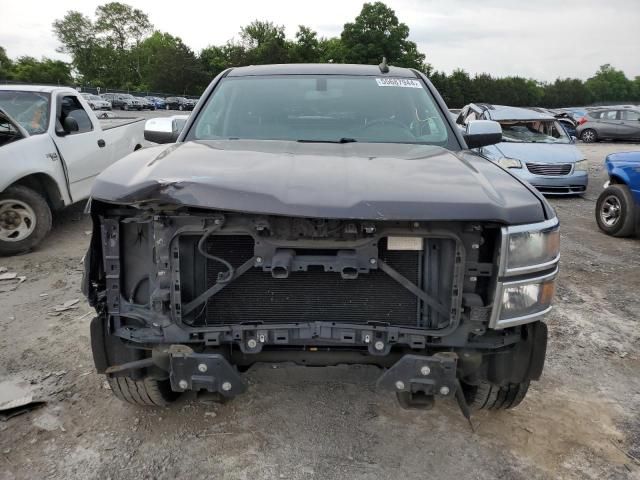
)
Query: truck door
[{"x": 82, "y": 152}]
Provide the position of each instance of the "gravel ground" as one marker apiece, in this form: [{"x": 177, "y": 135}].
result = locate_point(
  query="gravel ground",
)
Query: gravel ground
[{"x": 582, "y": 420}]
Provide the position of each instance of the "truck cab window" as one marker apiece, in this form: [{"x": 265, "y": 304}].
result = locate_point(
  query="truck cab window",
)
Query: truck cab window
[{"x": 71, "y": 107}]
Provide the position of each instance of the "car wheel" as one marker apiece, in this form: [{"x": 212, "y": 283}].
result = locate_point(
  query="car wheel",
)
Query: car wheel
[
  {"x": 146, "y": 392},
  {"x": 25, "y": 219},
  {"x": 125, "y": 107},
  {"x": 166, "y": 107},
  {"x": 616, "y": 211},
  {"x": 487, "y": 396},
  {"x": 180, "y": 107},
  {"x": 589, "y": 135}
]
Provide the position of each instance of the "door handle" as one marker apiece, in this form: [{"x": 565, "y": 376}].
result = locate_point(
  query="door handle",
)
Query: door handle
[{"x": 101, "y": 143}]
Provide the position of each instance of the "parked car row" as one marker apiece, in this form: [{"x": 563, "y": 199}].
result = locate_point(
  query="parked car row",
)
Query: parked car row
[{"x": 126, "y": 101}]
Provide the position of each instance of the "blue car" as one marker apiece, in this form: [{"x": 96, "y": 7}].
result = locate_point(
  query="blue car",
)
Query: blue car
[
  {"x": 157, "y": 102},
  {"x": 618, "y": 206},
  {"x": 535, "y": 147}
]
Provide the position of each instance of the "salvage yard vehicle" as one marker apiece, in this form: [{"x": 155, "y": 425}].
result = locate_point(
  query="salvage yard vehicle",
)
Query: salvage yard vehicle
[
  {"x": 535, "y": 147},
  {"x": 96, "y": 102},
  {"x": 320, "y": 214},
  {"x": 618, "y": 206},
  {"x": 52, "y": 146},
  {"x": 612, "y": 123},
  {"x": 179, "y": 103},
  {"x": 123, "y": 101}
]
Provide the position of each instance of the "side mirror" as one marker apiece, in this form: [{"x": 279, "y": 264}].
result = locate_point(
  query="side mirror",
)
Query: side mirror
[
  {"x": 164, "y": 129},
  {"x": 481, "y": 133},
  {"x": 70, "y": 125}
]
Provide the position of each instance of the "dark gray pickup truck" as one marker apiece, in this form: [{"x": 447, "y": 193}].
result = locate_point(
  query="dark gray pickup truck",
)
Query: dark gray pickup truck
[{"x": 322, "y": 215}]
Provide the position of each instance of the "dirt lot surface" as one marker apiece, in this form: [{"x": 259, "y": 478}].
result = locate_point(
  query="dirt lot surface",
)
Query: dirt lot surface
[{"x": 582, "y": 420}]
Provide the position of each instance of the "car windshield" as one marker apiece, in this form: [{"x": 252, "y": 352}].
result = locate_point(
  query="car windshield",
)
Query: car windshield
[
  {"x": 534, "y": 131},
  {"x": 29, "y": 109},
  {"x": 323, "y": 108}
]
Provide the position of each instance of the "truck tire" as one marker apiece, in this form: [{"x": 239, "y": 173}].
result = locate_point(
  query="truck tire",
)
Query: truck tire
[
  {"x": 488, "y": 396},
  {"x": 146, "y": 392},
  {"x": 616, "y": 211},
  {"x": 25, "y": 219}
]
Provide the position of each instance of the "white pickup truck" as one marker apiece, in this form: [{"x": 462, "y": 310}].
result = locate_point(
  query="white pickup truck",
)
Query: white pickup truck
[{"x": 52, "y": 147}]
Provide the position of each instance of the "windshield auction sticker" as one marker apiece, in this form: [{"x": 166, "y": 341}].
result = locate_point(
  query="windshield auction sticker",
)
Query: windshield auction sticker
[{"x": 398, "y": 82}]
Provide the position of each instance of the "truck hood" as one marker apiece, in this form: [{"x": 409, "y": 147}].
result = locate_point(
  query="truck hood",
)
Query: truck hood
[
  {"x": 541, "y": 152},
  {"x": 354, "y": 180}
]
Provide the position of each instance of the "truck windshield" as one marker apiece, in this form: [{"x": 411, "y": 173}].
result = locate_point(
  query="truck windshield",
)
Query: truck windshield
[
  {"x": 534, "y": 131},
  {"x": 323, "y": 108},
  {"x": 29, "y": 109}
]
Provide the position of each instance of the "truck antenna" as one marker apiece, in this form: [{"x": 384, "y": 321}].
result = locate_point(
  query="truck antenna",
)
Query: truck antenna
[{"x": 384, "y": 68}]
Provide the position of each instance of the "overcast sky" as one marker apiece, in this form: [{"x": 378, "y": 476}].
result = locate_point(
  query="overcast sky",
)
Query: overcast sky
[{"x": 543, "y": 39}]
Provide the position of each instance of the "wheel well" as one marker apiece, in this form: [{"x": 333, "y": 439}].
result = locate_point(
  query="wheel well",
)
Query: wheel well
[
  {"x": 43, "y": 183},
  {"x": 615, "y": 180},
  {"x": 137, "y": 147}
]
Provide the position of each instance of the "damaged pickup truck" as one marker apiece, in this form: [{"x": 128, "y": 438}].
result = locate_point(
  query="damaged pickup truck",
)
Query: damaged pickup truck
[{"x": 321, "y": 215}]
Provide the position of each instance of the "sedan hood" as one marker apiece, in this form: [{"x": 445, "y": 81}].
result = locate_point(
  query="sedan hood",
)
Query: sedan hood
[
  {"x": 348, "y": 181},
  {"x": 541, "y": 152}
]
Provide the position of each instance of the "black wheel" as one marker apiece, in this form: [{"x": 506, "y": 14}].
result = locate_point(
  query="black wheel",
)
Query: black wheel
[
  {"x": 146, "y": 392},
  {"x": 616, "y": 211},
  {"x": 167, "y": 107},
  {"x": 180, "y": 107},
  {"x": 488, "y": 396},
  {"x": 25, "y": 219},
  {"x": 125, "y": 107},
  {"x": 589, "y": 135}
]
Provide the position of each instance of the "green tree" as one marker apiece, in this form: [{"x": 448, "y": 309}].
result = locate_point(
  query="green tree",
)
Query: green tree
[
  {"x": 609, "y": 84},
  {"x": 168, "y": 65},
  {"x": 566, "y": 92},
  {"x": 331, "y": 50},
  {"x": 29, "y": 69},
  {"x": 6, "y": 65},
  {"x": 306, "y": 47},
  {"x": 216, "y": 59},
  {"x": 77, "y": 35},
  {"x": 265, "y": 43},
  {"x": 376, "y": 33}
]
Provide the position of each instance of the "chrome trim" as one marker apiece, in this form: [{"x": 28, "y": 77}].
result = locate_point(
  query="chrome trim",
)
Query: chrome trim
[
  {"x": 504, "y": 247},
  {"x": 498, "y": 324}
]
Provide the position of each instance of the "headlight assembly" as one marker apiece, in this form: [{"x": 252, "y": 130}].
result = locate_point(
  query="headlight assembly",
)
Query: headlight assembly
[
  {"x": 581, "y": 166},
  {"x": 531, "y": 247},
  {"x": 523, "y": 301},
  {"x": 528, "y": 268},
  {"x": 506, "y": 162}
]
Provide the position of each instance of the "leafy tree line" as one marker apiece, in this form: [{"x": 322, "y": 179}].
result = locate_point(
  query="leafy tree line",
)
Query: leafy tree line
[{"x": 120, "y": 49}]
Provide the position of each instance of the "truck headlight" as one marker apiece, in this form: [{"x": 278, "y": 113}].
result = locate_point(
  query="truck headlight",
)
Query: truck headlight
[
  {"x": 528, "y": 269},
  {"x": 581, "y": 166},
  {"x": 524, "y": 300},
  {"x": 506, "y": 162},
  {"x": 529, "y": 250}
]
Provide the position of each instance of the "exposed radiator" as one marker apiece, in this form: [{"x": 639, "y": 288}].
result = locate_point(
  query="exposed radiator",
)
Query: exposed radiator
[{"x": 309, "y": 296}]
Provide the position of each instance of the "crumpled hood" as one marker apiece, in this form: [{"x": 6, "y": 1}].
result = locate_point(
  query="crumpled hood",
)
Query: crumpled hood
[
  {"x": 541, "y": 152},
  {"x": 354, "y": 180}
]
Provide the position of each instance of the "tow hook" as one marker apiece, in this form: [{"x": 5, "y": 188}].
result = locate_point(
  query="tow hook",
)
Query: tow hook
[
  {"x": 204, "y": 371},
  {"x": 418, "y": 379}
]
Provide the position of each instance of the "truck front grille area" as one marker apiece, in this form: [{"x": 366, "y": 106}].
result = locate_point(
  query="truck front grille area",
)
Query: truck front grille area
[
  {"x": 315, "y": 295},
  {"x": 550, "y": 169}
]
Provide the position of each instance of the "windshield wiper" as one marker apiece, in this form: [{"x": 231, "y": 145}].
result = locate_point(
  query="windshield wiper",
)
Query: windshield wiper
[{"x": 340, "y": 140}]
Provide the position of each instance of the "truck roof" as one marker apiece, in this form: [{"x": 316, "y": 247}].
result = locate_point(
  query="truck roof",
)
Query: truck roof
[
  {"x": 319, "y": 69},
  {"x": 37, "y": 88}
]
